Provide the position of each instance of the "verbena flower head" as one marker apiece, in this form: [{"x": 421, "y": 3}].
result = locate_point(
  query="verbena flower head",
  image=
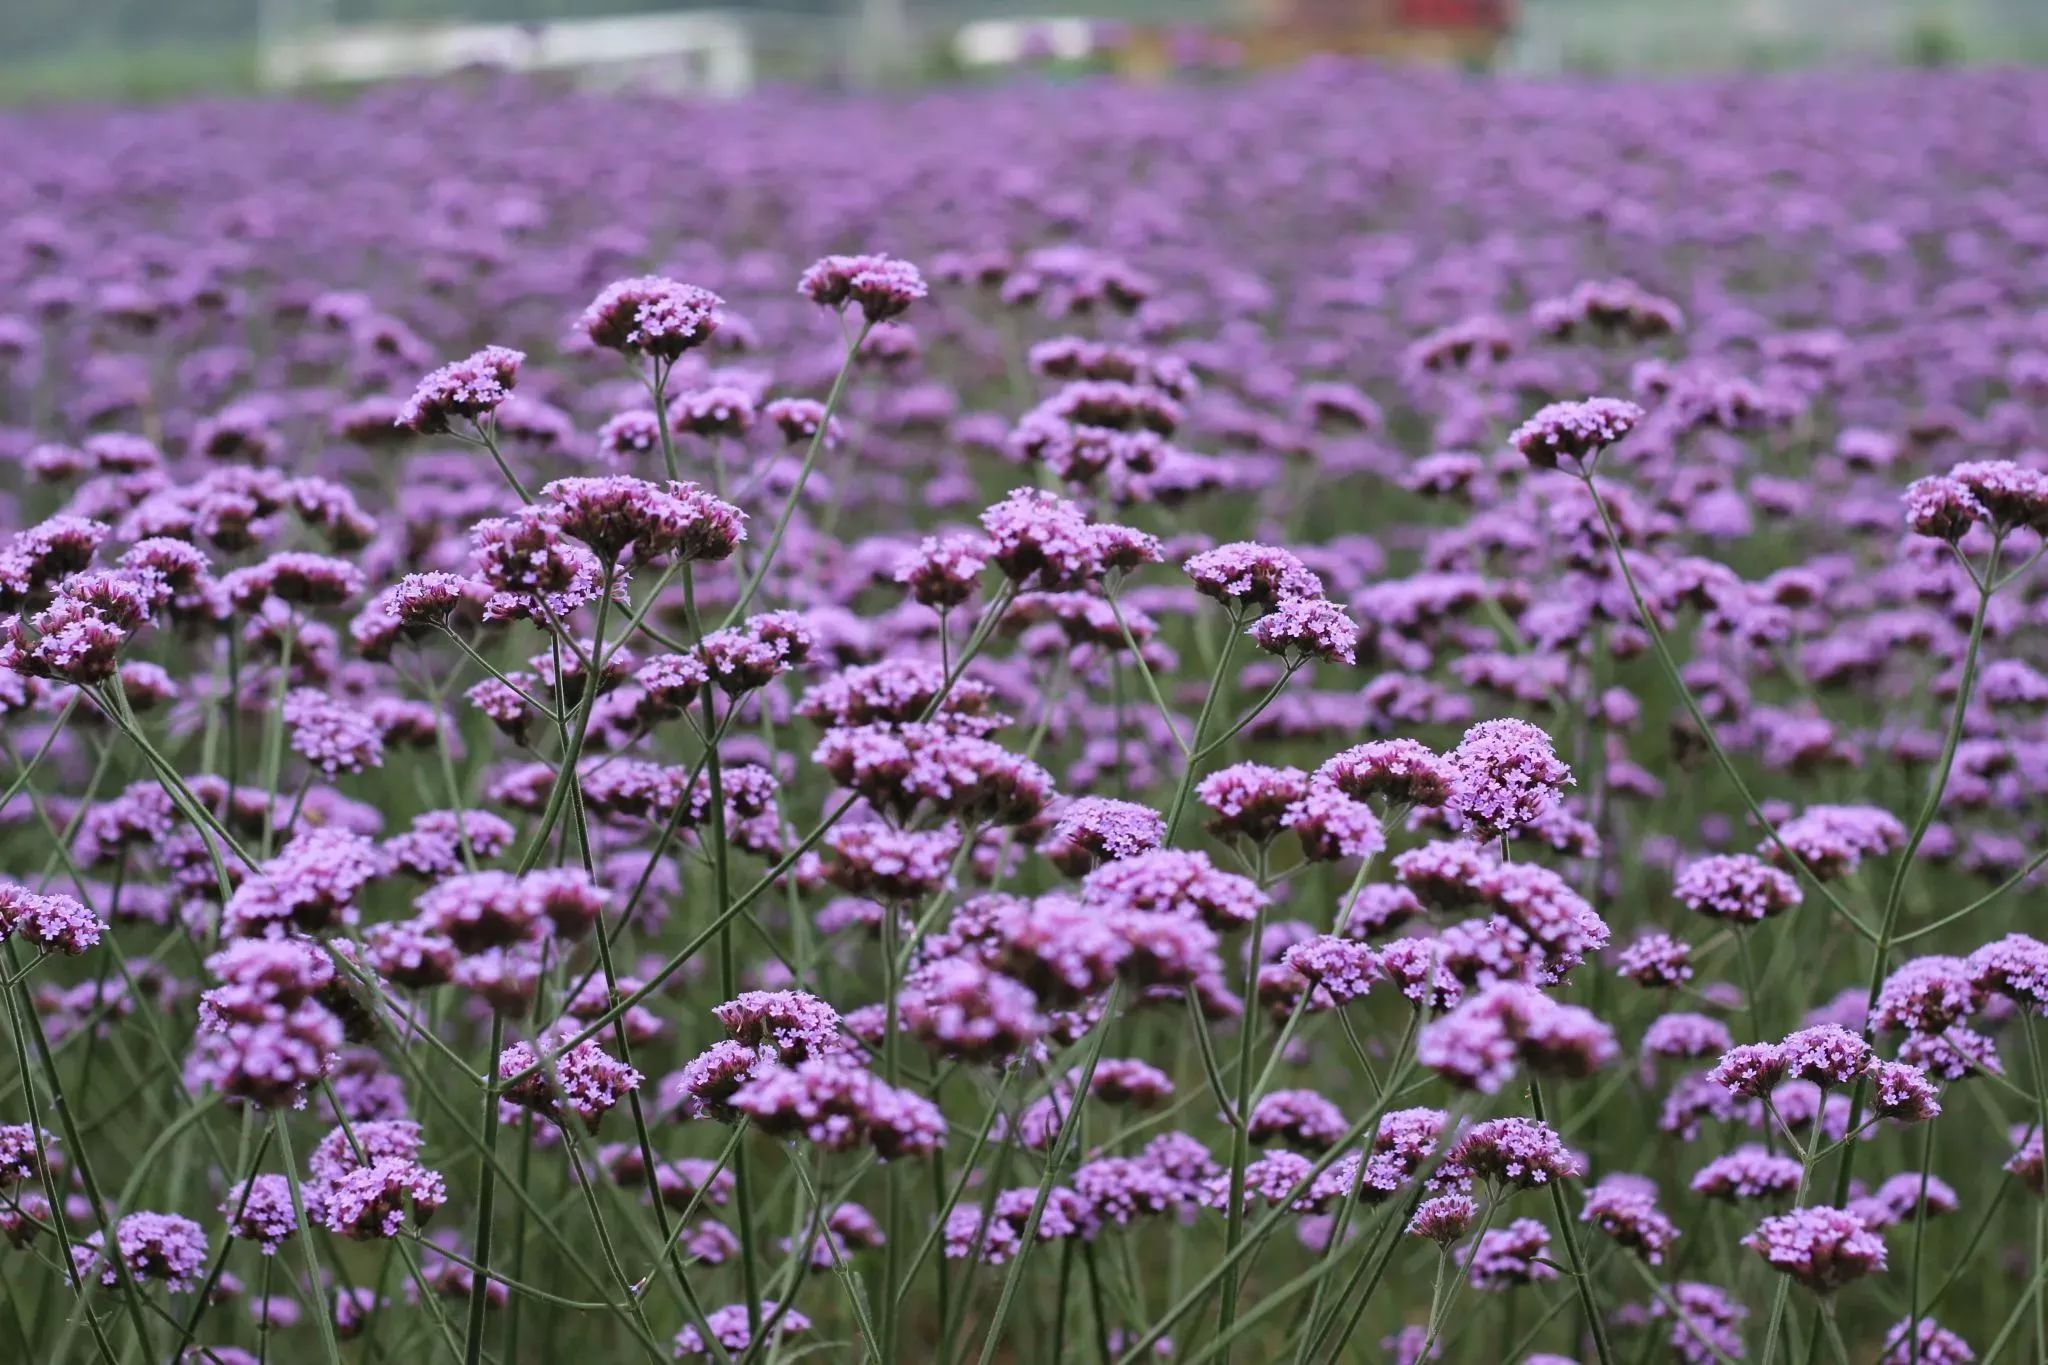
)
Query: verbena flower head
[
  {"x": 370, "y": 1201},
  {"x": 731, "y": 1330},
  {"x": 838, "y": 1105},
  {"x": 1656, "y": 960},
  {"x": 882, "y": 286},
  {"x": 53, "y": 923},
  {"x": 1444, "y": 1219},
  {"x": 1942, "y": 508},
  {"x": 1574, "y": 433},
  {"x": 1252, "y": 575},
  {"x": 1748, "y": 1172},
  {"x": 1926, "y": 1341},
  {"x": 261, "y": 1211},
  {"x": 1507, "y": 1258},
  {"x": 1092, "y": 829},
  {"x": 1478, "y": 1044},
  {"x": 1178, "y": 882},
  {"x": 1302, "y": 628},
  {"x": 1625, "y": 1209},
  {"x": 166, "y": 1247},
  {"x": 1927, "y": 994},
  {"x": 472, "y": 388},
  {"x": 1504, "y": 775},
  {"x": 1736, "y": 887},
  {"x": 2015, "y": 967},
  {"x": 1826, "y": 1055},
  {"x": 584, "y": 1080},
  {"x": 1515, "y": 1152},
  {"x": 1822, "y": 1248},
  {"x": 1399, "y": 772},
  {"x": 652, "y": 316},
  {"x": 797, "y": 1025}
]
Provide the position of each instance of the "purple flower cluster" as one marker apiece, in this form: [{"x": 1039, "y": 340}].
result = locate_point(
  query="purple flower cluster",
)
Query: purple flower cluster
[{"x": 1157, "y": 659}]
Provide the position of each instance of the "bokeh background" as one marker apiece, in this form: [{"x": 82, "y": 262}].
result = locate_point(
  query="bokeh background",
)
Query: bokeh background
[{"x": 133, "y": 49}]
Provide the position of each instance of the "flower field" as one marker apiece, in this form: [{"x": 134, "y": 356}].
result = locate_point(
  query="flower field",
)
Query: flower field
[{"x": 1348, "y": 715}]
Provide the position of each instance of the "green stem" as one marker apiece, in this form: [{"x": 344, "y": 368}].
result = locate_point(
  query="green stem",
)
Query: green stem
[
  {"x": 1662, "y": 648},
  {"x": 1240, "y": 1132},
  {"x": 1567, "y": 1231},
  {"x": 803, "y": 476},
  {"x": 487, "y": 1189},
  {"x": 1187, "y": 773},
  {"x": 1894, "y": 900},
  {"x": 1070, "y": 1129},
  {"x": 323, "y": 1314}
]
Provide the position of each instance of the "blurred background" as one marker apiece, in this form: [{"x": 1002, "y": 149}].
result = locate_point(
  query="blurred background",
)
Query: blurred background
[{"x": 128, "y": 49}]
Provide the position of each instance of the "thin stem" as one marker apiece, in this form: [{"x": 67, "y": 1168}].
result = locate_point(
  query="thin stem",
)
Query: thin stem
[
  {"x": 1187, "y": 772},
  {"x": 487, "y": 1189},
  {"x": 1139, "y": 1349},
  {"x": 1069, "y": 1132},
  {"x": 1567, "y": 1231},
  {"x": 796, "y": 492},
  {"x": 321, "y": 1311},
  {"x": 1240, "y": 1133},
  {"x": 1662, "y": 649},
  {"x": 1894, "y": 901}
]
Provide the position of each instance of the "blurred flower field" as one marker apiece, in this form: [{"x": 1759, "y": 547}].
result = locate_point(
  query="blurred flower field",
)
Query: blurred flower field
[{"x": 1336, "y": 716}]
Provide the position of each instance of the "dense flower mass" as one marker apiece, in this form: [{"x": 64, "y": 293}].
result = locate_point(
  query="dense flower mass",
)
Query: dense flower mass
[{"x": 1352, "y": 714}]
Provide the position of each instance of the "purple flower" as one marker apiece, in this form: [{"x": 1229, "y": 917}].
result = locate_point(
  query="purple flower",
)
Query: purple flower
[
  {"x": 1751, "y": 1070},
  {"x": 153, "y": 1246},
  {"x": 1574, "y": 433},
  {"x": 1625, "y": 1209},
  {"x": 1518, "y": 1152},
  {"x": 1174, "y": 881},
  {"x": 960, "y": 1008},
  {"x": 1038, "y": 538},
  {"x": 1736, "y": 887},
  {"x": 1822, "y": 1248},
  {"x": 1341, "y": 969},
  {"x": 472, "y": 388},
  {"x": 334, "y": 736},
  {"x": 1253, "y": 575},
  {"x": 1479, "y": 1043},
  {"x": 944, "y": 571},
  {"x": 1942, "y": 508},
  {"x": 1301, "y": 1119},
  {"x": 24, "y": 1153},
  {"x": 585, "y": 1079},
  {"x": 883, "y": 286},
  {"x": 1444, "y": 1219},
  {"x": 651, "y": 316},
  {"x": 1924, "y": 1342},
  {"x": 260, "y": 1210},
  {"x": 1400, "y": 772},
  {"x": 1509, "y": 1257},
  {"x": 1927, "y": 994},
  {"x": 1748, "y": 1172},
  {"x": 838, "y": 1105},
  {"x": 1826, "y": 1054},
  {"x": 1656, "y": 960},
  {"x": 1686, "y": 1035},
  {"x": 1504, "y": 775},
  {"x": 53, "y": 923},
  {"x": 1302, "y": 628},
  {"x": 797, "y": 1025},
  {"x": 2016, "y": 967},
  {"x": 1093, "y": 829},
  {"x": 1709, "y": 1323},
  {"x": 369, "y": 1201},
  {"x": 1902, "y": 1091}
]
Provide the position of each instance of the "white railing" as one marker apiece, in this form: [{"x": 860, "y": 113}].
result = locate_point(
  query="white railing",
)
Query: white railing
[{"x": 697, "y": 53}]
